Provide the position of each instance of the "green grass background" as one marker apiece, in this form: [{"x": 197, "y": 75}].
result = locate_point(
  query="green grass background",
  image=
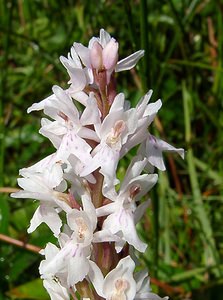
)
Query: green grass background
[{"x": 183, "y": 42}]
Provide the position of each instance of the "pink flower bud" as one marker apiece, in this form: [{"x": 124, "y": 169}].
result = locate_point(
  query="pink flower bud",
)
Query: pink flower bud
[
  {"x": 110, "y": 55},
  {"x": 96, "y": 56}
]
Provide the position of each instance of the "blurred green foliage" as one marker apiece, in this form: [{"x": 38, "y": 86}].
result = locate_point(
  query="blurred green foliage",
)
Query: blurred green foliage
[{"x": 183, "y": 64}]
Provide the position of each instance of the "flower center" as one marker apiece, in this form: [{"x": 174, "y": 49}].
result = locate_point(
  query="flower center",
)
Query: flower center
[
  {"x": 115, "y": 134},
  {"x": 82, "y": 228},
  {"x": 121, "y": 285}
]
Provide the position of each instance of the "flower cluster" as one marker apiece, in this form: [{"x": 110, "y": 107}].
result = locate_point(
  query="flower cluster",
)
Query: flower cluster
[{"x": 88, "y": 209}]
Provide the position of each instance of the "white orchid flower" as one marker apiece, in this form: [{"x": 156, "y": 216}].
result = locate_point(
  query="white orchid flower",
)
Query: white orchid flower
[
  {"x": 113, "y": 133},
  {"x": 143, "y": 289},
  {"x": 47, "y": 185},
  {"x": 122, "y": 213},
  {"x": 69, "y": 129},
  {"x": 153, "y": 149}
]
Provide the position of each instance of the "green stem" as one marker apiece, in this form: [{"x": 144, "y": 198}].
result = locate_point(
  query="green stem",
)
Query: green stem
[
  {"x": 85, "y": 290},
  {"x": 97, "y": 196}
]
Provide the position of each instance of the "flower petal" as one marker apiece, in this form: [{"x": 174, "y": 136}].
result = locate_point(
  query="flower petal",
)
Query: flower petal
[
  {"x": 129, "y": 62},
  {"x": 78, "y": 268},
  {"x": 104, "y": 37},
  {"x": 56, "y": 290},
  {"x": 47, "y": 215},
  {"x": 84, "y": 54},
  {"x": 154, "y": 149},
  {"x": 96, "y": 277}
]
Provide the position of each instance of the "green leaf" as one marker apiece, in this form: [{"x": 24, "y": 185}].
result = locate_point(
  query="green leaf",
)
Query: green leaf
[
  {"x": 21, "y": 262},
  {"x": 4, "y": 214},
  {"x": 31, "y": 290}
]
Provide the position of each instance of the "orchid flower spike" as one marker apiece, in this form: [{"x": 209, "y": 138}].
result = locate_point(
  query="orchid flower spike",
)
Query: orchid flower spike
[{"x": 90, "y": 211}]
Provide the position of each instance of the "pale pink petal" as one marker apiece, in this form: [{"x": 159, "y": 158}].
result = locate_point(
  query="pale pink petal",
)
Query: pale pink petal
[
  {"x": 123, "y": 220},
  {"x": 33, "y": 184},
  {"x": 54, "y": 264},
  {"x": 73, "y": 144},
  {"x": 78, "y": 268},
  {"x": 129, "y": 62},
  {"x": 144, "y": 182},
  {"x": 138, "y": 137},
  {"x": 74, "y": 56},
  {"x": 90, "y": 210},
  {"x": 53, "y": 137},
  {"x": 135, "y": 168},
  {"x": 130, "y": 234},
  {"x": 40, "y": 105},
  {"x": 64, "y": 104},
  {"x": 77, "y": 78},
  {"x": 73, "y": 220},
  {"x": 53, "y": 128},
  {"x": 79, "y": 96},
  {"x": 123, "y": 271},
  {"x": 142, "y": 281},
  {"x": 41, "y": 165},
  {"x": 84, "y": 54},
  {"x": 50, "y": 251},
  {"x": 149, "y": 296},
  {"x": 104, "y": 236},
  {"x": 140, "y": 210},
  {"x": 154, "y": 149},
  {"x": 91, "y": 114},
  {"x": 107, "y": 159},
  {"x": 89, "y": 134},
  {"x": 142, "y": 104},
  {"x": 96, "y": 56},
  {"x": 110, "y": 54},
  {"x": 107, "y": 209},
  {"x": 53, "y": 176},
  {"x": 109, "y": 162},
  {"x": 96, "y": 277},
  {"x": 56, "y": 290},
  {"x": 32, "y": 195},
  {"x": 48, "y": 215},
  {"x": 152, "y": 110},
  {"x": 118, "y": 103},
  {"x": 104, "y": 37},
  {"x": 72, "y": 59}
]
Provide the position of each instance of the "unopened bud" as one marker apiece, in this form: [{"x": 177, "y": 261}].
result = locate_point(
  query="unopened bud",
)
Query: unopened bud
[
  {"x": 110, "y": 55},
  {"x": 96, "y": 56}
]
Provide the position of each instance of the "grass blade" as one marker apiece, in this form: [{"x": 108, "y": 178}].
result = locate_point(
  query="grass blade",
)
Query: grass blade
[{"x": 210, "y": 251}]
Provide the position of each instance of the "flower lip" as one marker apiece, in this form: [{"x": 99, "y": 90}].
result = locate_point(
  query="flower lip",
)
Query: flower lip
[
  {"x": 82, "y": 228},
  {"x": 116, "y": 132},
  {"x": 121, "y": 286}
]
